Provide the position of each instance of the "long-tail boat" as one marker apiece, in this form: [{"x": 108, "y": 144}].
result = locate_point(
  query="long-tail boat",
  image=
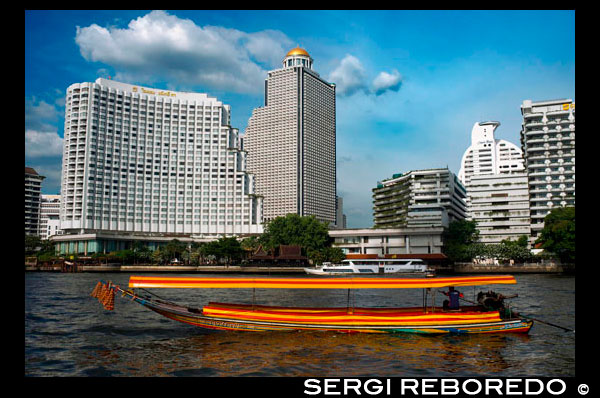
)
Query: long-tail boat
[{"x": 250, "y": 317}]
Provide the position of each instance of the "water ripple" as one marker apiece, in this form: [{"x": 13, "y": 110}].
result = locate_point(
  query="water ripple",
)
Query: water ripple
[{"x": 67, "y": 333}]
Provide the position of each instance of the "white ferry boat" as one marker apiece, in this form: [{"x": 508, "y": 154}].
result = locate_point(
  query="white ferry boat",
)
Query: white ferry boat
[{"x": 373, "y": 267}]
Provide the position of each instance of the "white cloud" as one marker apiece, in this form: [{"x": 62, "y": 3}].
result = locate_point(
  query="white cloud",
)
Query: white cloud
[
  {"x": 40, "y": 115},
  {"x": 159, "y": 45},
  {"x": 387, "y": 81},
  {"x": 42, "y": 144},
  {"x": 53, "y": 173},
  {"x": 349, "y": 76}
]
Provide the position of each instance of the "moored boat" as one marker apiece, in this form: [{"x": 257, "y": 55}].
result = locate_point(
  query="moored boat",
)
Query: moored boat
[
  {"x": 372, "y": 267},
  {"x": 350, "y": 319}
]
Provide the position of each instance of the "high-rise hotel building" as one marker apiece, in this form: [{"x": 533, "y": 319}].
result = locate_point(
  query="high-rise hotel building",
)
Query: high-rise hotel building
[
  {"x": 291, "y": 142},
  {"x": 144, "y": 162},
  {"x": 548, "y": 143}
]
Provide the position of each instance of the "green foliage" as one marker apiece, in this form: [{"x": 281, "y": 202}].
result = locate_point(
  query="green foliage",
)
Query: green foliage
[
  {"x": 305, "y": 231},
  {"x": 251, "y": 243},
  {"x": 558, "y": 234},
  {"x": 32, "y": 243},
  {"x": 141, "y": 252},
  {"x": 224, "y": 249},
  {"x": 326, "y": 254},
  {"x": 458, "y": 239},
  {"x": 173, "y": 250}
]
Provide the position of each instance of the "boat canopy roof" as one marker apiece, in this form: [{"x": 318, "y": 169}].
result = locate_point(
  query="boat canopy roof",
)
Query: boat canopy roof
[{"x": 315, "y": 283}]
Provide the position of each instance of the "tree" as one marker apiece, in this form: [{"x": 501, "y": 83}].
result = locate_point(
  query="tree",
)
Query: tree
[
  {"x": 157, "y": 256},
  {"x": 230, "y": 249},
  {"x": 305, "y": 231},
  {"x": 250, "y": 243},
  {"x": 174, "y": 249},
  {"x": 141, "y": 252},
  {"x": 459, "y": 238},
  {"x": 32, "y": 243},
  {"x": 558, "y": 234},
  {"x": 326, "y": 254}
]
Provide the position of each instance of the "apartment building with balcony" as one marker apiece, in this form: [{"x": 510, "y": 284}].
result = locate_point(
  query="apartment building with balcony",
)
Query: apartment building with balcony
[
  {"x": 488, "y": 155},
  {"x": 291, "y": 142},
  {"x": 499, "y": 204},
  {"x": 419, "y": 198},
  {"x": 493, "y": 172},
  {"x": 390, "y": 241},
  {"x": 548, "y": 144},
  {"x": 49, "y": 216},
  {"x": 150, "y": 165},
  {"x": 33, "y": 187}
]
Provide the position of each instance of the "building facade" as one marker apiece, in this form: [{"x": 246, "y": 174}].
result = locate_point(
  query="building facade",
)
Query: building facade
[
  {"x": 419, "y": 198},
  {"x": 493, "y": 172},
  {"x": 389, "y": 241},
  {"x": 488, "y": 155},
  {"x": 291, "y": 142},
  {"x": 499, "y": 204},
  {"x": 340, "y": 217},
  {"x": 143, "y": 163},
  {"x": 49, "y": 216},
  {"x": 548, "y": 144},
  {"x": 33, "y": 186}
]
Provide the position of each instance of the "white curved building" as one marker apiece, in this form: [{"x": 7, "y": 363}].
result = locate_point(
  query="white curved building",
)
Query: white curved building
[
  {"x": 493, "y": 172},
  {"x": 487, "y": 155}
]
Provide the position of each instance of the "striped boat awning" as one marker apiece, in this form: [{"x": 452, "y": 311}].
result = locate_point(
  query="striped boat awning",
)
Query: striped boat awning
[{"x": 315, "y": 283}]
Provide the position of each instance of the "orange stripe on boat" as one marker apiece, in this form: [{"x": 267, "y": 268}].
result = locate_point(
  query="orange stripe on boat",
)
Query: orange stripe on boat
[{"x": 315, "y": 283}]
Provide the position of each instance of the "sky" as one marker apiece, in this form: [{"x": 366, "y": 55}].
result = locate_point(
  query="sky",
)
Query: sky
[{"x": 410, "y": 84}]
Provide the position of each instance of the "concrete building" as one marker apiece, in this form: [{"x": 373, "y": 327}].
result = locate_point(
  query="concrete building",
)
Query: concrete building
[
  {"x": 291, "y": 142},
  {"x": 33, "y": 186},
  {"x": 424, "y": 242},
  {"x": 499, "y": 204},
  {"x": 488, "y": 155},
  {"x": 493, "y": 172},
  {"x": 419, "y": 198},
  {"x": 49, "y": 216},
  {"x": 548, "y": 144},
  {"x": 149, "y": 164},
  {"x": 340, "y": 217}
]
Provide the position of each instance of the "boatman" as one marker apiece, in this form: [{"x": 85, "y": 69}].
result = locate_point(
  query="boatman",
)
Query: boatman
[{"x": 453, "y": 296}]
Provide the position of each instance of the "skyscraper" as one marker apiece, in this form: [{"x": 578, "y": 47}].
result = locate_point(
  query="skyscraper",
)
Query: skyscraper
[
  {"x": 548, "y": 143},
  {"x": 291, "y": 141},
  {"x": 140, "y": 161}
]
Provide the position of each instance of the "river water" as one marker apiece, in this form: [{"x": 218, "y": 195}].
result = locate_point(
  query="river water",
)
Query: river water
[{"x": 68, "y": 333}]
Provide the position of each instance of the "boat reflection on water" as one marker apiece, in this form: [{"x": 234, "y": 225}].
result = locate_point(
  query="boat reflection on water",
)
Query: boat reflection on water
[{"x": 324, "y": 354}]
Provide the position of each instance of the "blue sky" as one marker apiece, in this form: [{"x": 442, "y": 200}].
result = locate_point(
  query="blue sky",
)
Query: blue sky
[{"x": 410, "y": 84}]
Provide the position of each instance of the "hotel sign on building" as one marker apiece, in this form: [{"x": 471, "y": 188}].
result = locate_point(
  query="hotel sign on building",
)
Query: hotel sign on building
[{"x": 138, "y": 161}]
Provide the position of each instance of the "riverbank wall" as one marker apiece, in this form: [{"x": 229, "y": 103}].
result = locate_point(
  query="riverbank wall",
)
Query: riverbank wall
[
  {"x": 234, "y": 269},
  {"x": 525, "y": 268},
  {"x": 459, "y": 268}
]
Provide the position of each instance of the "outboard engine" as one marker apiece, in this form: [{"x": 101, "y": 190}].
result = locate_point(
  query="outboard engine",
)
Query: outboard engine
[
  {"x": 491, "y": 300},
  {"x": 495, "y": 302}
]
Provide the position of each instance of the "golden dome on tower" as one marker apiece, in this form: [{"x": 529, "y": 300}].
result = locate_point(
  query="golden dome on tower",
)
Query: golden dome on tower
[{"x": 297, "y": 51}]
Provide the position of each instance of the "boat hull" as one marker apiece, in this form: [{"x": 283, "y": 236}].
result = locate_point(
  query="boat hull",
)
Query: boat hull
[{"x": 198, "y": 318}]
